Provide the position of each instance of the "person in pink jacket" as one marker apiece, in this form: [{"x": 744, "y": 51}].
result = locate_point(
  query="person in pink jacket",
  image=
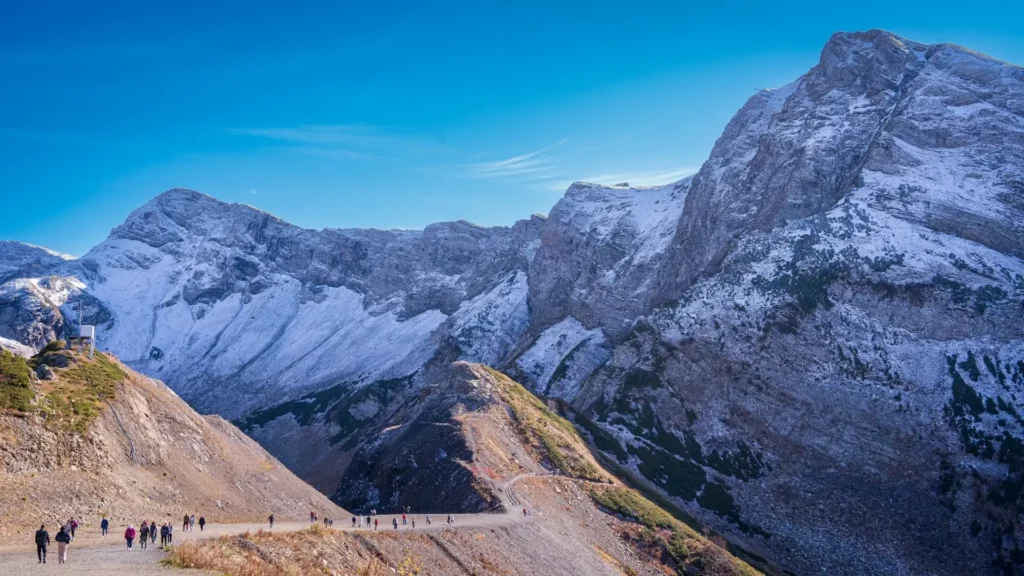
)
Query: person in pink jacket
[{"x": 129, "y": 535}]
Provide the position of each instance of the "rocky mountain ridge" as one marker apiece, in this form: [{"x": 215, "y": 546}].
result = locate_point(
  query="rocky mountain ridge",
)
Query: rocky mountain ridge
[{"x": 813, "y": 344}]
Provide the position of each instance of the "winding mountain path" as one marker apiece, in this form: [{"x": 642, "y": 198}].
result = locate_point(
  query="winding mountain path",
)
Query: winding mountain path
[{"x": 92, "y": 555}]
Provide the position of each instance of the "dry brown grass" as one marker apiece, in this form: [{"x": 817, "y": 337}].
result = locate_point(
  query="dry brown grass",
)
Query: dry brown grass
[{"x": 263, "y": 553}]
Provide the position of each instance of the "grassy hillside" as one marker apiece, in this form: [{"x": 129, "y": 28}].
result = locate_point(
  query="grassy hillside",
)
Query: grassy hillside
[
  {"x": 73, "y": 393},
  {"x": 561, "y": 445},
  {"x": 115, "y": 443}
]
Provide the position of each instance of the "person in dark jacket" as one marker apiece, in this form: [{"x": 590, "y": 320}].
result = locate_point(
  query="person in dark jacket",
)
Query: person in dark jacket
[
  {"x": 42, "y": 541},
  {"x": 144, "y": 535},
  {"x": 202, "y": 523},
  {"x": 271, "y": 518},
  {"x": 104, "y": 526},
  {"x": 163, "y": 535},
  {"x": 63, "y": 539}
]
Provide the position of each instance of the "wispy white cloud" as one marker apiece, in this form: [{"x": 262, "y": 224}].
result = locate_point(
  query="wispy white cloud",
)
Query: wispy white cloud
[
  {"x": 315, "y": 134},
  {"x": 531, "y": 165},
  {"x": 340, "y": 141}
]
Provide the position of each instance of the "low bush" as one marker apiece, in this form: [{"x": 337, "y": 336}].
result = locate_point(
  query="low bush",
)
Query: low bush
[{"x": 15, "y": 383}]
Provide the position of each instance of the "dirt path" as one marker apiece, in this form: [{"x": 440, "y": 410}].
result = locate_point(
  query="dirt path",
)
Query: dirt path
[{"x": 92, "y": 555}]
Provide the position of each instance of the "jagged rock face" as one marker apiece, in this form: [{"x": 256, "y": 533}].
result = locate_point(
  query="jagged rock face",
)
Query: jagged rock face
[
  {"x": 600, "y": 250},
  {"x": 815, "y": 345},
  {"x": 875, "y": 105},
  {"x": 27, "y": 317},
  {"x": 843, "y": 361}
]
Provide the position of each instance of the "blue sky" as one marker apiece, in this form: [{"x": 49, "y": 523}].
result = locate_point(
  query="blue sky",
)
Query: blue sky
[{"x": 381, "y": 114}]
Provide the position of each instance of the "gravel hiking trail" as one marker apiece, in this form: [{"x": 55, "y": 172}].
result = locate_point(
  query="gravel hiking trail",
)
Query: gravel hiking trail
[{"x": 92, "y": 555}]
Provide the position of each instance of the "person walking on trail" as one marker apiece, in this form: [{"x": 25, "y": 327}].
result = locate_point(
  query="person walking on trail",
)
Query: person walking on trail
[
  {"x": 271, "y": 518},
  {"x": 143, "y": 535},
  {"x": 74, "y": 526},
  {"x": 404, "y": 520},
  {"x": 367, "y": 521},
  {"x": 202, "y": 523},
  {"x": 353, "y": 521},
  {"x": 184, "y": 524},
  {"x": 375, "y": 524},
  {"x": 395, "y": 522},
  {"x": 414, "y": 523},
  {"x": 163, "y": 535},
  {"x": 191, "y": 522},
  {"x": 63, "y": 539},
  {"x": 152, "y": 532},
  {"x": 104, "y": 526},
  {"x": 428, "y": 519},
  {"x": 42, "y": 541},
  {"x": 129, "y": 535},
  {"x": 170, "y": 533}
]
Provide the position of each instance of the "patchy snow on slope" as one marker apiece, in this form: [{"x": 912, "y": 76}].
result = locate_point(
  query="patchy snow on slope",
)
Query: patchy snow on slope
[
  {"x": 18, "y": 259},
  {"x": 487, "y": 327},
  {"x": 647, "y": 216},
  {"x": 562, "y": 357},
  {"x": 16, "y": 348}
]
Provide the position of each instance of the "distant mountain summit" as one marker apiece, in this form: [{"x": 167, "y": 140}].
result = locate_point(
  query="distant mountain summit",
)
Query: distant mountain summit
[{"x": 815, "y": 344}]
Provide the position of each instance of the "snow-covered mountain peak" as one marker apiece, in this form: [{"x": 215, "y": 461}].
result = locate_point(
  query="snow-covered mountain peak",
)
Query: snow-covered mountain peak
[{"x": 18, "y": 259}]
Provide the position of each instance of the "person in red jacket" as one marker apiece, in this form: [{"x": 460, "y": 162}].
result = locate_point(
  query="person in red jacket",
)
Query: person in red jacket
[{"x": 129, "y": 535}]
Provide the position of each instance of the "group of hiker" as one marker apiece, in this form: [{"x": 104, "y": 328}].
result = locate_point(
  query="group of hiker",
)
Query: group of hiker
[
  {"x": 374, "y": 522},
  {"x": 63, "y": 538},
  {"x": 313, "y": 517},
  {"x": 189, "y": 523},
  {"x": 145, "y": 535},
  {"x": 148, "y": 531}
]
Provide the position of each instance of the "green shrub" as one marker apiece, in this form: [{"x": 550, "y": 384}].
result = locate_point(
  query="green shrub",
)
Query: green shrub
[
  {"x": 77, "y": 396},
  {"x": 15, "y": 383},
  {"x": 54, "y": 346}
]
